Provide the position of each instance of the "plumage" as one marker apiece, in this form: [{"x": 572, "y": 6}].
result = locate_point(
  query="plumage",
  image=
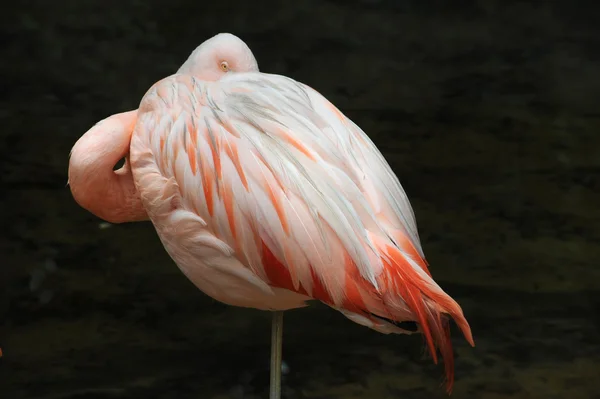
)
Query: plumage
[{"x": 282, "y": 188}]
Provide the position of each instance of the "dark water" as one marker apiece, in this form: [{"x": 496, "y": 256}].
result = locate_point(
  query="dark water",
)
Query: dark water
[{"x": 488, "y": 112}]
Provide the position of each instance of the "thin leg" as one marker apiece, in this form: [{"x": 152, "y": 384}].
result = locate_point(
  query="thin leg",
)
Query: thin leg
[{"x": 276, "y": 340}]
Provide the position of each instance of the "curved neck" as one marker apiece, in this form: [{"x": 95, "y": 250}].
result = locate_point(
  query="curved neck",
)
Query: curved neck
[{"x": 111, "y": 195}]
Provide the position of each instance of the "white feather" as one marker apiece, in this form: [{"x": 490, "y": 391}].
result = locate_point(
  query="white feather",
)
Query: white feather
[{"x": 329, "y": 199}]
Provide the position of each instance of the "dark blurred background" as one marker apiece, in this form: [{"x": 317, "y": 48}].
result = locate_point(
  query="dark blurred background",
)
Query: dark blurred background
[{"x": 487, "y": 111}]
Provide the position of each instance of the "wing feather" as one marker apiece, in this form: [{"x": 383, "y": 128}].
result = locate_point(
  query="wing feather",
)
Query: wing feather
[
  {"x": 265, "y": 159},
  {"x": 280, "y": 178}
]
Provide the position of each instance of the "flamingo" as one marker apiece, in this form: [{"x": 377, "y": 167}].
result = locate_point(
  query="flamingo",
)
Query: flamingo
[{"x": 266, "y": 196}]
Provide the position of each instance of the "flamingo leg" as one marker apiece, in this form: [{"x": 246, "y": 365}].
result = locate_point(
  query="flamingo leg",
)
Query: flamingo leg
[{"x": 276, "y": 341}]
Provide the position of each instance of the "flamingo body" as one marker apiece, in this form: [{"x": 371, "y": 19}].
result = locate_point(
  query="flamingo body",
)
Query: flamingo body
[{"x": 266, "y": 195}]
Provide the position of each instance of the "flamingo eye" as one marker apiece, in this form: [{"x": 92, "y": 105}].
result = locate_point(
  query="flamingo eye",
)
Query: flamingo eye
[{"x": 224, "y": 66}]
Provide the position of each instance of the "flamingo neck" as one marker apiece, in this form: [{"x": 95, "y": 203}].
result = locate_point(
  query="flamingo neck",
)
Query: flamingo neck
[{"x": 110, "y": 195}]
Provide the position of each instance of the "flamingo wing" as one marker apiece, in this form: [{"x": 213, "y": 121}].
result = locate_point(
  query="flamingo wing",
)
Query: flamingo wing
[{"x": 300, "y": 194}]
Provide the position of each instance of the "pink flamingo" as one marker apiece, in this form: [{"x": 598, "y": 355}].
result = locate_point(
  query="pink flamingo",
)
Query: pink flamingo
[{"x": 265, "y": 195}]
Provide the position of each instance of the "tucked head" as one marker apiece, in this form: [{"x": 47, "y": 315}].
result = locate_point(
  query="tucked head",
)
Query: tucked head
[{"x": 218, "y": 56}]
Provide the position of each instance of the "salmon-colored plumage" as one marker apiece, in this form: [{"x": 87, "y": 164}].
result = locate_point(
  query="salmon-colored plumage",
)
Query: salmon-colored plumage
[{"x": 266, "y": 196}]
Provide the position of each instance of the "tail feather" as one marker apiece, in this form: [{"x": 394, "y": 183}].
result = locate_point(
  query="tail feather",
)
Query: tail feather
[{"x": 404, "y": 284}]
